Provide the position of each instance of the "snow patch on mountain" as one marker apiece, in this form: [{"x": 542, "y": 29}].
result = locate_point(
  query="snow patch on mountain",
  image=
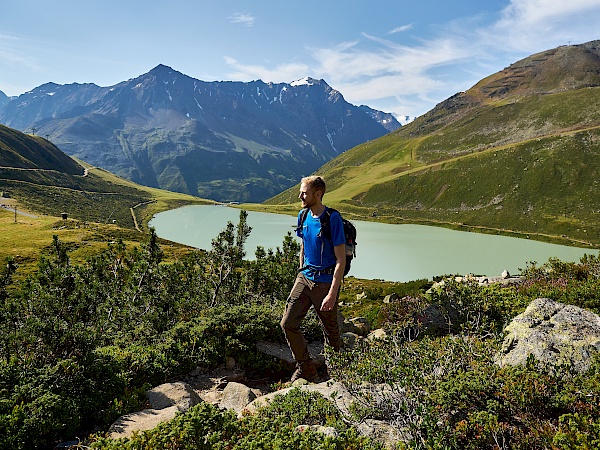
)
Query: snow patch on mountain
[{"x": 306, "y": 81}]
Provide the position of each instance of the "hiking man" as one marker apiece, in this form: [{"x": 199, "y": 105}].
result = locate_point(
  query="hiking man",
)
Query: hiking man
[{"x": 322, "y": 262}]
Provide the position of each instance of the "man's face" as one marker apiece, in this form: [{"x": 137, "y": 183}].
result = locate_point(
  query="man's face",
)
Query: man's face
[{"x": 307, "y": 196}]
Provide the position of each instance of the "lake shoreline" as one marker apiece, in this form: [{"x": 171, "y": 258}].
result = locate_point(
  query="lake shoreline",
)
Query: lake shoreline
[
  {"x": 457, "y": 226},
  {"x": 392, "y": 252}
]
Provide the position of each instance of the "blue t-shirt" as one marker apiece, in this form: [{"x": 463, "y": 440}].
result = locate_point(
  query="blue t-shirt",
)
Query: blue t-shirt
[{"x": 318, "y": 251}]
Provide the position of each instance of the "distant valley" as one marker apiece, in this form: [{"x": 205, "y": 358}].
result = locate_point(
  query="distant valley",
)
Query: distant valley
[{"x": 228, "y": 141}]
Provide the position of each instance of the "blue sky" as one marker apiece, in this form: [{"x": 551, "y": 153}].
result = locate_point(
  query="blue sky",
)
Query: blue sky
[{"x": 393, "y": 55}]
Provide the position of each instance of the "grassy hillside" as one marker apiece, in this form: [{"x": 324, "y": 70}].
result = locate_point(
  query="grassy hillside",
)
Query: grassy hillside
[
  {"x": 22, "y": 151},
  {"x": 43, "y": 182},
  {"x": 519, "y": 153}
]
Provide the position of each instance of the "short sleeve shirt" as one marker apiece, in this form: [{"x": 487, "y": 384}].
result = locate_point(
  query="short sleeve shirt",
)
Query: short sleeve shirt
[{"x": 318, "y": 250}]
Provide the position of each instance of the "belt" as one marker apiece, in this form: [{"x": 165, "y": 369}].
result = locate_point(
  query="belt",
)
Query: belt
[{"x": 318, "y": 273}]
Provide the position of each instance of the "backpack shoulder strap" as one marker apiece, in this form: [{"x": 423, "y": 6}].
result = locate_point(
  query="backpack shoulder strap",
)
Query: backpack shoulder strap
[
  {"x": 325, "y": 221},
  {"x": 303, "y": 215},
  {"x": 302, "y": 219}
]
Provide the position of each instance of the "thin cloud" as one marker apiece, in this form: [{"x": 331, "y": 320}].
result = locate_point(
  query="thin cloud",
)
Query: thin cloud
[
  {"x": 243, "y": 18},
  {"x": 534, "y": 25},
  {"x": 281, "y": 73},
  {"x": 375, "y": 70},
  {"x": 400, "y": 29},
  {"x": 16, "y": 53},
  {"x": 366, "y": 71}
]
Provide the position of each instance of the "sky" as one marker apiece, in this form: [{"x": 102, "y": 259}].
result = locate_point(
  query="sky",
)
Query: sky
[{"x": 397, "y": 56}]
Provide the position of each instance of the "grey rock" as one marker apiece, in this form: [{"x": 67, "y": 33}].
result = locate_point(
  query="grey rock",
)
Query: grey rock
[
  {"x": 282, "y": 352},
  {"x": 166, "y": 400},
  {"x": 377, "y": 334},
  {"x": 382, "y": 432},
  {"x": 362, "y": 327},
  {"x": 327, "y": 431},
  {"x": 236, "y": 396},
  {"x": 554, "y": 333},
  {"x": 141, "y": 421},
  {"x": 391, "y": 298},
  {"x": 333, "y": 391},
  {"x": 169, "y": 394}
]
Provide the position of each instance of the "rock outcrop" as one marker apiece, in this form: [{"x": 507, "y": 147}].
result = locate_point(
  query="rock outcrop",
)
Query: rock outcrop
[
  {"x": 554, "y": 333},
  {"x": 165, "y": 400}
]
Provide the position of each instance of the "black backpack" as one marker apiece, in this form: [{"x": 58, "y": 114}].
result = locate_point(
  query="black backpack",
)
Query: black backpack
[{"x": 349, "y": 232}]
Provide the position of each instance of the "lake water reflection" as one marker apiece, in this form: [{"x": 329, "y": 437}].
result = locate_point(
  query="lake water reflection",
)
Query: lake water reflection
[{"x": 384, "y": 251}]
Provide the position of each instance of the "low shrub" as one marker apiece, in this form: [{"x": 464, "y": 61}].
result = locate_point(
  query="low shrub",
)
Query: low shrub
[{"x": 273, "y": 427}]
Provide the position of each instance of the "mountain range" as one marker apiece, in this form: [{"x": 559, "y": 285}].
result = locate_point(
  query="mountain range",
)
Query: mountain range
[
  {"x": 219, "y": 140},
  {"x": 519, "y": 152}
]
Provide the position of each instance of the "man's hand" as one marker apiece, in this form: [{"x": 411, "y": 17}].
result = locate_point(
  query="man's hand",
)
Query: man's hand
[{"x": 328, "y": 302}]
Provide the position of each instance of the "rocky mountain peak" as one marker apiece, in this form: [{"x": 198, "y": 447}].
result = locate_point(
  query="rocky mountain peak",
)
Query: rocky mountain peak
[
  {"x": 166, "y": 129},
  {"x": 307, "y": 81},
  {"x": 563, "y": 68}
]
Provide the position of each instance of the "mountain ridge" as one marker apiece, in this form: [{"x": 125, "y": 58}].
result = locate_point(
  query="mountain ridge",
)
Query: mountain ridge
[
  {"x": 223, "y": 140},
  {"x": 20, "y": 151},
  {"x": 44, "y": 180}
]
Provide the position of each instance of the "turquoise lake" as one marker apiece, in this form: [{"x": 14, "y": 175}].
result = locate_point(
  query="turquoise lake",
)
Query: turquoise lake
[{"x": 384, "y": 251}]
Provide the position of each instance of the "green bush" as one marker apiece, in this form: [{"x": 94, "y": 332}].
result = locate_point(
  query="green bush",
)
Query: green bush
[
  {"x": 80, "y": 344},
  {"x": 446, "y": 391}
]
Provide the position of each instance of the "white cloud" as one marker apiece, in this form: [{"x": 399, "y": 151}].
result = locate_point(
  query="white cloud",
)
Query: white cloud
[
  {"x": 389, "y": 69},
  {"x": 535, "y": 25},
  {"x": 243, "y": 18},
  {"x": 377, "y": 71},
  {"x": 14, "y": 52},
  {"x": 281, "y": 73},
  {"x": 400, "y": 29}
]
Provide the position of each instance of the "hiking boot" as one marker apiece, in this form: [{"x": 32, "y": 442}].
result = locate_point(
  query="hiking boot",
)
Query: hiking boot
[{"x": 305, "y": 370}]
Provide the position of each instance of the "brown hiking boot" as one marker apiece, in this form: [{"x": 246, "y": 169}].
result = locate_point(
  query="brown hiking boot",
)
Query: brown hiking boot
[{"x": 305, "y": 370}]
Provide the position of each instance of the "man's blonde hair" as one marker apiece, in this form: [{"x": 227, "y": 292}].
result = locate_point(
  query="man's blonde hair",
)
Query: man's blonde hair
[{"x": 315, "y": 182}]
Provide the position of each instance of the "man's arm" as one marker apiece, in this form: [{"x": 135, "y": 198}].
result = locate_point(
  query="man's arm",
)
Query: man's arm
[
  {"x": 338, "y": 275},
  {"x": 301, "y": 254}
]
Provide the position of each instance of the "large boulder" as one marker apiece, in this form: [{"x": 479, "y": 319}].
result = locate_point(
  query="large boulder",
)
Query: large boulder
[
  {"x": 236, "y": 396},
  {"x": 554, "y": 333},
  {"x": 165, "y": 400},
  {"x": 173, "y": 394}
]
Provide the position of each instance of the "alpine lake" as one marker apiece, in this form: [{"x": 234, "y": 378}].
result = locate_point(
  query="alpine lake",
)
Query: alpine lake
[{"x": 384, "y": 251}]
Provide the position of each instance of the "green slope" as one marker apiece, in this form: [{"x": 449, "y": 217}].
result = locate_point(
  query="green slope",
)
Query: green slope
[
  {"x": 517, "y": 153},
  {"x": 44, "y": 180},
  {"x": 18, "y": 150}
]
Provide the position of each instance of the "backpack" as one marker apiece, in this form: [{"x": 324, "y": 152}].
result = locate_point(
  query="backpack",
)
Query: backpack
[{"x": 349, "y": 233}]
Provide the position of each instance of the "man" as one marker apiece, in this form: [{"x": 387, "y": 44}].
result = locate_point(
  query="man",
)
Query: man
[{"x": 322, "y": 262}]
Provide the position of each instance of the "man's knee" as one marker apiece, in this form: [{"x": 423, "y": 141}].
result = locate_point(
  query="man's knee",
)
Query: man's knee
[
  {"x": 288, "y": 323},
  {"x": 284, "y": 323}
]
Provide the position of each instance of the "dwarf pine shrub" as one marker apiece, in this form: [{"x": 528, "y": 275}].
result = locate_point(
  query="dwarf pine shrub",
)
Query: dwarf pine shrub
[{"x": 80, "y": 344}]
